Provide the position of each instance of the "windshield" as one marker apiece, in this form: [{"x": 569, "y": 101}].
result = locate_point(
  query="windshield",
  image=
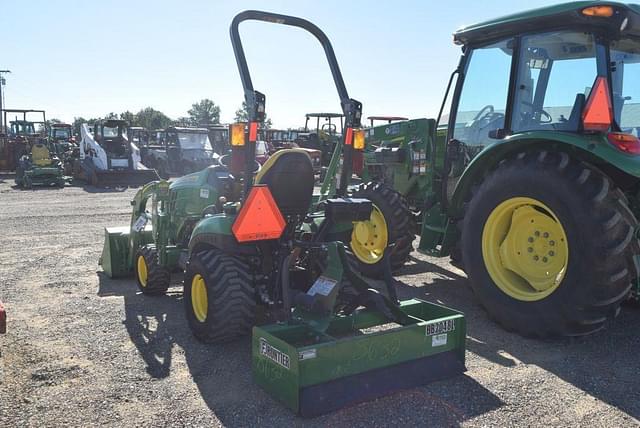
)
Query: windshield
[
  {"x": 109, "y": 132},
  {"x": 261, "y": 148},
  {"x": 194, "y": 141},
  {"x": 555, "y": 77},
  {"x": 625, "y": 76},
  {"x": 219, "y": 135},
  {"x": 23, "y": 128},
  {"x": 61, "y": 134}
]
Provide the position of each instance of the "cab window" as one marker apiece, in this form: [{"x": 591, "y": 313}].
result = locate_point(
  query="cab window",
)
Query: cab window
[
  {"x": 625, "y": 76},
  {"x": 556, "y": 72},
  {"x": 484, "y": 94}
]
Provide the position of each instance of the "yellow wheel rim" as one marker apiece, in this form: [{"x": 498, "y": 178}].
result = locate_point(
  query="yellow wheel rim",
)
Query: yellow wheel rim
[
  {"x": 199, "y": 300},
  {"x": 142, "y": 271},
  {"x": 525, "y": 249},
  {"x": 369, "y": 238}
]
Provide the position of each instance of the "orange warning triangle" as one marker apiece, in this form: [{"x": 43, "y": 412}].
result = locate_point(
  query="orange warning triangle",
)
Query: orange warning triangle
[
  {"x": 259, "y": 218},
  {"x": 598, "y": 114}
]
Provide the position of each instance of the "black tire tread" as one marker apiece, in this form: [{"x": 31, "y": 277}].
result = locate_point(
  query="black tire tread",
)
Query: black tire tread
[
  {"x": 399, "y": 225},
  {"x": 611, "y": 262},
  {"x": 158, "y": 277},
  {"x": 230, "y": 293}
]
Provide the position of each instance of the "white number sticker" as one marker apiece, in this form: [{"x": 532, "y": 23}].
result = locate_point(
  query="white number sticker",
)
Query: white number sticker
[{"x": 140, "y": 223}]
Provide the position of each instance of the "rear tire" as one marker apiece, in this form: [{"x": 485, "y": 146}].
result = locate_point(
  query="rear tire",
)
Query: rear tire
[
  {"x": 586, "y": 207},
  {"x": 397, "y": 216},
  {"x": 151, "y": 277},
  {"x": 219, "y": 296}
]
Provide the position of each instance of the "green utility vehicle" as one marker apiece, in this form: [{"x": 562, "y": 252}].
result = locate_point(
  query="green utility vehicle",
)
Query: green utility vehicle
[
  {"x": 183, "y": 150},
  {"x": 245, "y": 238},
  {"x": 531, "y": 182}
]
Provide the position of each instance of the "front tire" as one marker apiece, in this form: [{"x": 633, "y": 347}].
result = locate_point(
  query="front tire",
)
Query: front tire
[
  {"x": 548, "y": 245},
  {"x": 151, "y": 277},
  {"x": 390, "y": 223},
  {"x": 219, "y": 297}
]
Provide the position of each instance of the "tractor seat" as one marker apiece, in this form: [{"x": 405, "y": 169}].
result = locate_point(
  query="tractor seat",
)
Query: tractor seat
[
  {"x": 40, "y": 155},
  {"x": 289, "y": 175}
]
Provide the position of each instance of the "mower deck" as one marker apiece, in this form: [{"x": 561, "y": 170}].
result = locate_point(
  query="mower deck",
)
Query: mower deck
[{"x": 360, "y": 358}]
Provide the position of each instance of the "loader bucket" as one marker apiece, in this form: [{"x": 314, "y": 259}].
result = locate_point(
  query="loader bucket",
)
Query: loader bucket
[
  {"x": 123, "y": 178},
  {"x": 362, "y": 357},
  {"x": 115, "y": 253}
]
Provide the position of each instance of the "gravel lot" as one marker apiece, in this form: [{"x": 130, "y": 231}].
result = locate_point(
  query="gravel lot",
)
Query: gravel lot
[{"x": 85, "y": 350}]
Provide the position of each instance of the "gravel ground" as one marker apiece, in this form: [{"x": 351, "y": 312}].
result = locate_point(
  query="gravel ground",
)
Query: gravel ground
[{"x": 85, "y": 350}]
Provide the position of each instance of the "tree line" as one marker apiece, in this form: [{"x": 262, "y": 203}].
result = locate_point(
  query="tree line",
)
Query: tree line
[{"x": 203, "y": 112}]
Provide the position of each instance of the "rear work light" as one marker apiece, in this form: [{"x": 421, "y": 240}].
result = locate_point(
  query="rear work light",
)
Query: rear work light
[
  {"x": 598, "y": 11},
  {"x": 626, "y": 143},
  {"x": 358, "y": 139}
]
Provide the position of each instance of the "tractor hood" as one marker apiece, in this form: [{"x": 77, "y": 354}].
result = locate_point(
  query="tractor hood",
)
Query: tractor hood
[{"x": 620, "y": 19}]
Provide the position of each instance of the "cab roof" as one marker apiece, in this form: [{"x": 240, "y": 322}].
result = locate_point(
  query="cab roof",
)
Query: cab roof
[
  {"x": 560, "y": 16},
  {"x": 187, "y": 130}
]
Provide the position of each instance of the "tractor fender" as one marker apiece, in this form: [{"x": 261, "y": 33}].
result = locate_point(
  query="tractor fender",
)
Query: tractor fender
[
  {"x": 215, "y": 232},
  {"x": 592, "y": 148}
]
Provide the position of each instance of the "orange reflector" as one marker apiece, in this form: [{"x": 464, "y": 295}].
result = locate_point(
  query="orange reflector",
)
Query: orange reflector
[
  {"x": 625, "y": 142},
  {"x": 599, "y": 11},
  {"x": 358, "y": 140},
  {"x": 259, "y": 217},
  {"x": 348, "y": 138},
  {"x": 253, "y": 131},
  {"x": 598, "y": 114}
]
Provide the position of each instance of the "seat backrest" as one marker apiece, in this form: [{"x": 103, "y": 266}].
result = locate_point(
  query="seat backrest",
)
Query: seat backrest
[
  {"x": 40, "y": 155},
  {"x": 289, "y": 175}
]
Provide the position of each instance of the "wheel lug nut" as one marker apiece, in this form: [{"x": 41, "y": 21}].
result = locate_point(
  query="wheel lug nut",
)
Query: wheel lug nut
[
  {"x": 545, "y": 235},
  {"x": 535, "y": 258},
  {"x": 551, "y": 253},
  {"x": 530, "y": 239},
  {"x": 530, "y": 250},
  {"x": 544, "y": 259},
  {"x": 552, "y": 243},
  {"x": 537, "y": 233}
]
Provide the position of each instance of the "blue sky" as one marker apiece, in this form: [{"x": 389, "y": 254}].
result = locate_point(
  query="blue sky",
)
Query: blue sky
[{"x": 88, "y": 58}]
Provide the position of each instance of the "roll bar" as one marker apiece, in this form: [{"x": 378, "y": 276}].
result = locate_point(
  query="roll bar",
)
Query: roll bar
[{"x": 255, "y": 100}]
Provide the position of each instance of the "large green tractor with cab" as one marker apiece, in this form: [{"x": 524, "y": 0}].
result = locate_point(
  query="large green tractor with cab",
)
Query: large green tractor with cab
[
  {"x": 249, "y": 236},
  {"x": 531, "y": 182}
]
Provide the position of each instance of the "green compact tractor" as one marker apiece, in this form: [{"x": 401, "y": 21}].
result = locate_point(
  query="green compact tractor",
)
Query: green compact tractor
[
  {"x": 246, "y": 238},
  {"x": 532, "y": 181}
]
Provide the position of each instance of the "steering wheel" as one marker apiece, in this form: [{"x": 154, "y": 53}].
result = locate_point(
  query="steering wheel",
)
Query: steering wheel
[
  {"x": 224, "y": 161},
  {"x": 540, "y": 113},
  {"x": 482, "y": 113}
]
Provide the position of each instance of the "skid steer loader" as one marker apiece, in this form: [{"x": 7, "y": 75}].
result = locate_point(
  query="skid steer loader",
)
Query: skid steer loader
[{"x": 108, "y": 158}]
